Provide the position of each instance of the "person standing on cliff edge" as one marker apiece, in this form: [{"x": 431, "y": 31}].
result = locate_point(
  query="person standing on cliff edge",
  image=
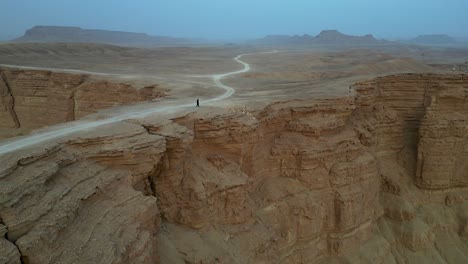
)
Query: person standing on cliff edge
[{"x": 198, "y": 103}]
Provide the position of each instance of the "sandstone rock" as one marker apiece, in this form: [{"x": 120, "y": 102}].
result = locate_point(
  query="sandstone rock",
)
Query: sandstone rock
[
  {"x": 338, "y": 180},
  {"x": 443, "y": 143},
  {"x": 9, "y": 253},
  {"x": 42, "y": 98},
  {"x": 76, "y": 206},
  {"x": 7, "y": 103},
  {"x": 31, "y": 99},
  {"x": 417, "y": 235},
  {"x": 94, "y": 96}
]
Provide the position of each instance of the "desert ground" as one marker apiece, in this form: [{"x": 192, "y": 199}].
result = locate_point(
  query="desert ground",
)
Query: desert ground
[
  {"x": 310, "y": 155},
  {"x": 186, "y": 72}
]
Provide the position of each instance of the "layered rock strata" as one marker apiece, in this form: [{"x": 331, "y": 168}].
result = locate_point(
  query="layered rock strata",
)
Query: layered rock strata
[
  {"x": 375, "y": 177},
  {"x": 31, "y": 99}
]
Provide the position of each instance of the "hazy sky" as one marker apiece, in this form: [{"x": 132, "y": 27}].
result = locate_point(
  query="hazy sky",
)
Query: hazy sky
[{"x": 234, "y": 19}]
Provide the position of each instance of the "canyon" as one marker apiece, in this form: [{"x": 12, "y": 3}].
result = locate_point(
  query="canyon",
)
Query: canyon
[
  {"x": 230, "y": 132},
  {"x": 377, "y": 175}
]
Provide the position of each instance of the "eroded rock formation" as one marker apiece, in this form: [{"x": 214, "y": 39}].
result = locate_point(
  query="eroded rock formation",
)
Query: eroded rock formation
[
  {"x": 376, "y": 177},
  {"x": 32, "y": 99}
]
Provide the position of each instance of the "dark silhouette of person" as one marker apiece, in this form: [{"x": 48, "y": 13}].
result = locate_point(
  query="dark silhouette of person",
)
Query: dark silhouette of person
[{"x": 198, "y": 103}]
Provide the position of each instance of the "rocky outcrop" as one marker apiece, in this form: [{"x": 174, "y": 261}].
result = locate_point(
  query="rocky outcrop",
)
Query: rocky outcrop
[
  {"x": 9, "y": 253},
  {"x": 91, "y": 97},
  {"x": 86, "y": 201},
  {"x": 334, "y": 37},
  {"x": 428, "y": 114},
  {"x": 324, "y": 38},
  {"x": 411, "y": 124},
  {"x": 341, "y": 180},
  {"x": 7, "y": 114},
  {"x": 41, "y": 98},
  {"x": 62, "y": 34},
  {"x": 443, "y": 141},
  {"x": 32, "y": 99}
]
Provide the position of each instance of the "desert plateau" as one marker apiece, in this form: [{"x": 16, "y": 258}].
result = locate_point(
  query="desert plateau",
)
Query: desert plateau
[{"x": 122, "y": 147}]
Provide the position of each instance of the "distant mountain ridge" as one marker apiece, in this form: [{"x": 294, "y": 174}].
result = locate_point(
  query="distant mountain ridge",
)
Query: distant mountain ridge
[
  {"x": 77, "y": 34},
  {"x": 326, "y": 37},
  {"x": 436, "y": 39}
]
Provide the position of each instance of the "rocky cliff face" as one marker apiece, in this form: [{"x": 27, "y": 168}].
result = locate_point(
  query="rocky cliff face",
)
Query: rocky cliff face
[
  {"x": 32, "y": 99},
  {"x": 376, "y": 177}
]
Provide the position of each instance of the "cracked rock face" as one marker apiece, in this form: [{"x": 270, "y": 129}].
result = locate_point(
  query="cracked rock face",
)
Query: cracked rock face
[
  {"x": 94, "y": 187},
  {"x": 32, "y": 99},
  {"x": 377, "y": 177},
  {"x": 10, "y": 253}
]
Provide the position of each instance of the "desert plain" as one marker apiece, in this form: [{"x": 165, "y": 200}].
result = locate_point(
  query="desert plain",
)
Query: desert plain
[{"x": 324, "y": 154}]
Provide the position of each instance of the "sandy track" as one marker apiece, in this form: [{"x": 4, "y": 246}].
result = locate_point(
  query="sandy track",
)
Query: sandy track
[
  {"x": 84, "y": 125},
  {"x": 127, "y": 76}
]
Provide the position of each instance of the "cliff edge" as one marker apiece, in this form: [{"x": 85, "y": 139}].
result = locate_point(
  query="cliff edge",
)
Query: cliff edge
[{"x": 378, "y": 176}]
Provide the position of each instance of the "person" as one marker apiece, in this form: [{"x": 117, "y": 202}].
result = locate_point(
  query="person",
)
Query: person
[{"x": 198, "y": 103}]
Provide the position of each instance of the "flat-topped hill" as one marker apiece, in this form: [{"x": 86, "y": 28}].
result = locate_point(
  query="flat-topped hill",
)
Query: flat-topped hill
[{"x": 76, "y": 34}]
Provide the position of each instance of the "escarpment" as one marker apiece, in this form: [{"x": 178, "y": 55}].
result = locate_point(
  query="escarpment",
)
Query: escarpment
[
  {"x": 86, "y": 201},
  {"x": 415, "y": 125},
  {"x": 32, "y": 99},
  {"x": 379, "y": 176}
]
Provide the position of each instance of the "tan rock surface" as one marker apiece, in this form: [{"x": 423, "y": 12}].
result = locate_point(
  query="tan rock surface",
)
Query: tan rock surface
[
  {"x": 86, "y": 201},
  {"x": 32, "y": 99},
  {"x": 8, "y": 253},
  {"x": 340, "y": 180}
]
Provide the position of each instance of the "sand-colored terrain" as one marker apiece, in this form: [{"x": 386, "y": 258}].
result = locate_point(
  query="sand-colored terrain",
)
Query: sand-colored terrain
[{"x": 320, "y": 156}]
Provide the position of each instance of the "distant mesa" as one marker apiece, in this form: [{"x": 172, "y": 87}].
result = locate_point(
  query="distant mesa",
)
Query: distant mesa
[
  {"x": 76, "y": 34},
  {"x": 325, "y": 38},
  {"x": 286, "y": 39},
  {"x": 437, "y": 39},
  {"x": 336, "y": 37}
]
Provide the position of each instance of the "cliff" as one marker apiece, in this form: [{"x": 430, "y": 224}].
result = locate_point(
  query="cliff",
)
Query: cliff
[
  {"x": 376, "y": 177},
  {"x": 31, "y": 99}
]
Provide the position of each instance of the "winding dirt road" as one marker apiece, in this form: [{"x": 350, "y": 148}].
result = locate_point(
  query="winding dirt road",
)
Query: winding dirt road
[{"x": 84, "y": 125}]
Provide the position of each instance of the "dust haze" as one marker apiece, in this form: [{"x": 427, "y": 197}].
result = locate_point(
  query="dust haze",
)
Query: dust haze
[
  {"x": 242, "y": 19},
  {"x": 243, "y": 132}
]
